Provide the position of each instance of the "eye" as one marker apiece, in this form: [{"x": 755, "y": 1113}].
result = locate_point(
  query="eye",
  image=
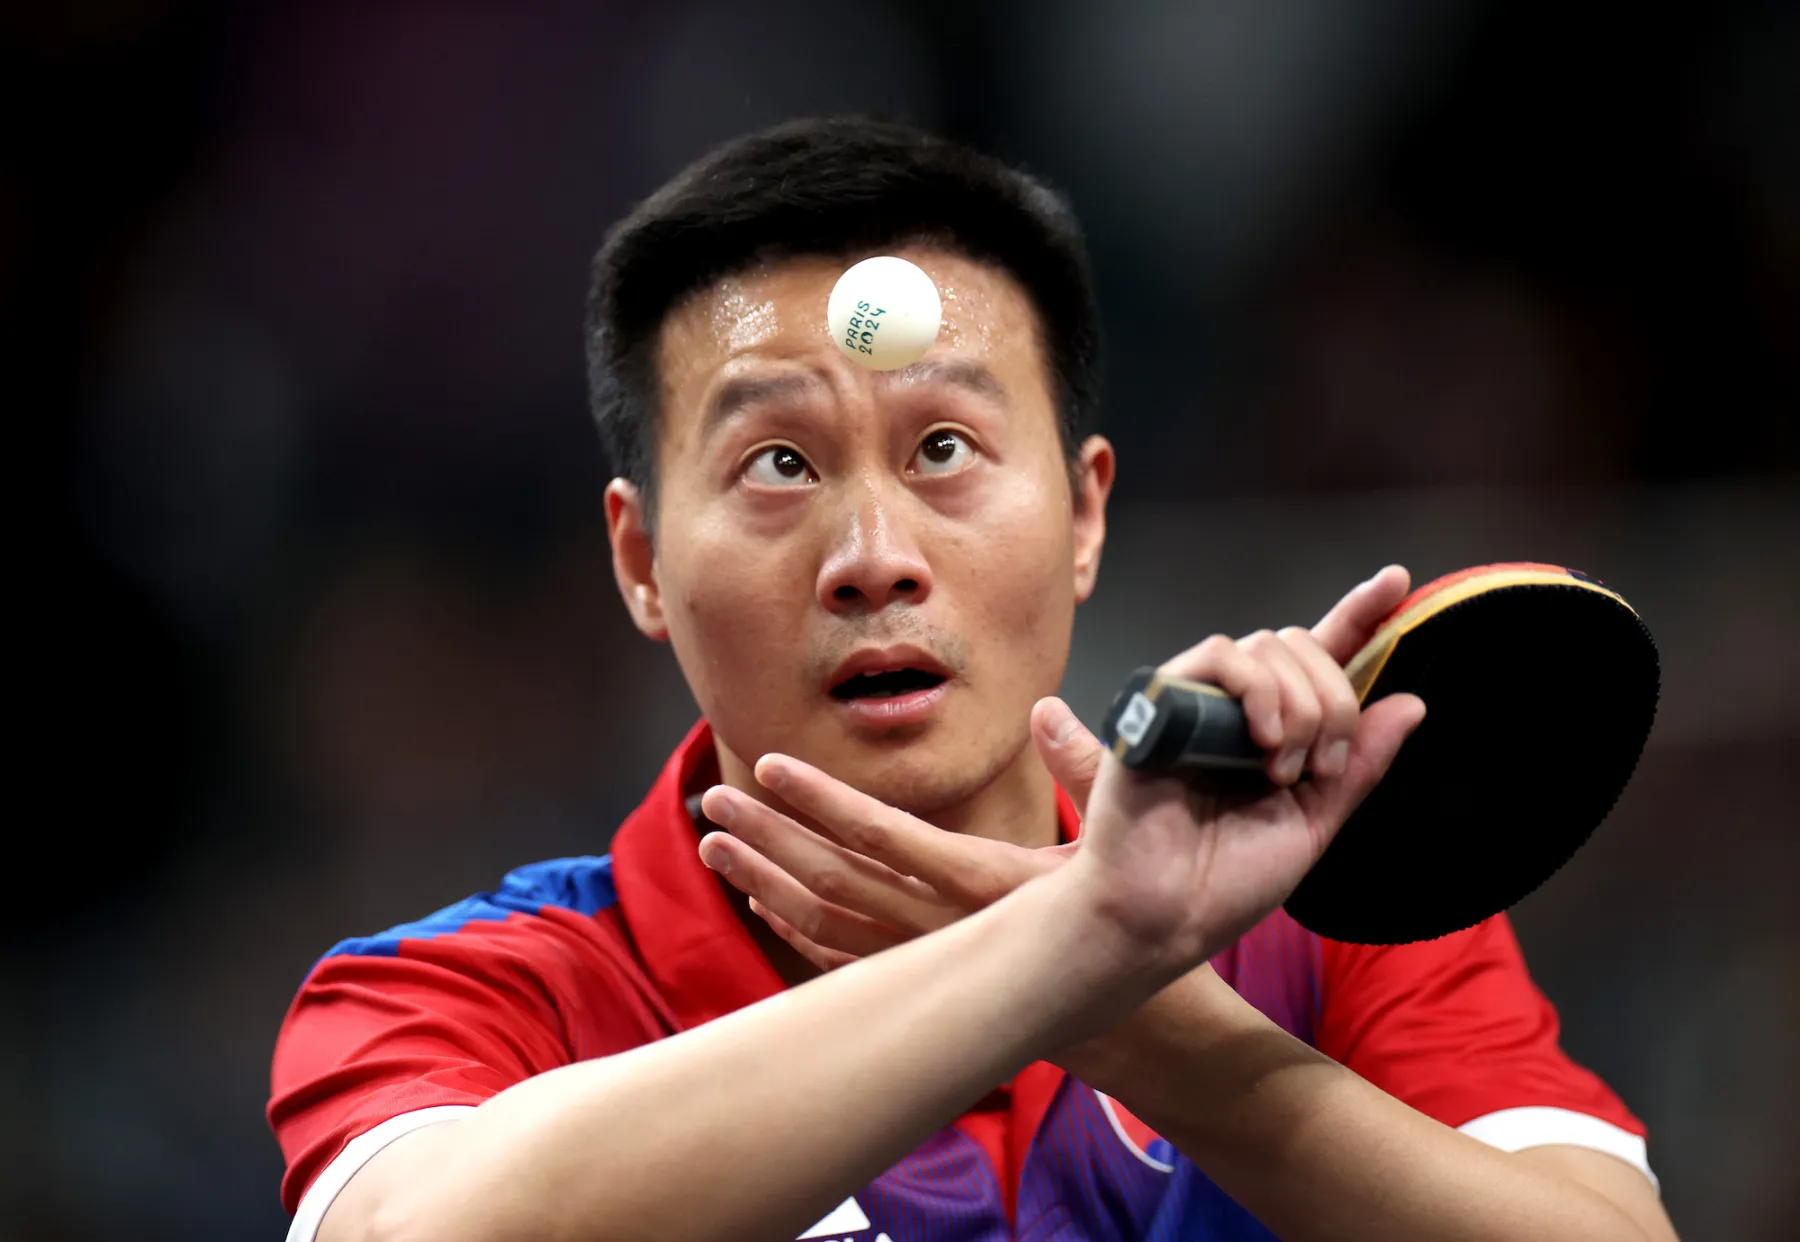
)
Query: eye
[
  {"x": 778, "y": 466},
  {"x": 943, "y": 452}
]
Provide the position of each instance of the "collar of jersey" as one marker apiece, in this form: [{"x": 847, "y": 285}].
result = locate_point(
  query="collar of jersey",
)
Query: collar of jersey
[{"x": 699, "y": 955}]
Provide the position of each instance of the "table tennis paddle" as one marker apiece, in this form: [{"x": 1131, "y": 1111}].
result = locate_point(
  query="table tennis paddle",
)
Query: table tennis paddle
[{"x": 1540, "y": 685}]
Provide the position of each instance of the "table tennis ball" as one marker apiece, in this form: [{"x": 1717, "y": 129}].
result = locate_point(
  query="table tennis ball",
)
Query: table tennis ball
[{"x": 884, "y": 313}]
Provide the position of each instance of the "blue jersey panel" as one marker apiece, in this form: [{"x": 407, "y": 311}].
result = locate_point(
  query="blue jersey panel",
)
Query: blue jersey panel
[
  {"x": 1196, "y": 1210},
  {"x": 583, "y": 885}
]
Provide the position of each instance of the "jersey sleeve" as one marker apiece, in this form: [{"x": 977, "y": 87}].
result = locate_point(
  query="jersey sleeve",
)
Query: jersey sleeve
[
  {"x": 387, "y": 1029},
  {"x": 1456, "y": 1028}
]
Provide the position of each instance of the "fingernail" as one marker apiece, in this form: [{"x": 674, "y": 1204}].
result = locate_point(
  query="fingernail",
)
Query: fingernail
[
  {"x": 1335, "y": 759},
  {"x": 1287, "y": 768},
  {"x": 1065, "y": 729},
  {"x": 721, "y": 812},
  {"x": 772, "y": 775},
  {"x": 717, "y": 859}
]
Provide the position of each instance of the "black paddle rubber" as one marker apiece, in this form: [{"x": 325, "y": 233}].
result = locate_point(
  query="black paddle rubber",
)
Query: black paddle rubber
[{"x": 1539, "y": 699}]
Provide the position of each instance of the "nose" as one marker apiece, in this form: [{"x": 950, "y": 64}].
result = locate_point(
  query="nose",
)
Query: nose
[{"x": 875, "y": 559}]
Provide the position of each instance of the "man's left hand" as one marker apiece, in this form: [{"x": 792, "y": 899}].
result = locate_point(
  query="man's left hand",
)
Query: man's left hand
[{"x": 893, "y": 877}]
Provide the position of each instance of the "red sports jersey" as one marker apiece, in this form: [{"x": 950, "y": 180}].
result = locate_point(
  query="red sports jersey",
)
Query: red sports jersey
[{"x": 587, "y": 957}]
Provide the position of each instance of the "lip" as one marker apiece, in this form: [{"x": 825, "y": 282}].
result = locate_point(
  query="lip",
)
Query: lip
[
  {"x": 897, "y": 711},
  {"x": 886, "y": 660},
  {"x": 914, "y": 707}
]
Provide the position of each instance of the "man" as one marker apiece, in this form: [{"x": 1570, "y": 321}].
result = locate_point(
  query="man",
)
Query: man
[{"x": 874, "y": 576}]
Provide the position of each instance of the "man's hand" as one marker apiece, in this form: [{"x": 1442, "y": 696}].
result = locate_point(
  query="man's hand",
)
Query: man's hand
[{"x": 1175, "y": 868}]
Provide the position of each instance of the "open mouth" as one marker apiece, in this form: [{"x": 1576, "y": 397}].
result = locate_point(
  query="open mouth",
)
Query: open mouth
[{"x": 888, "y": 684}]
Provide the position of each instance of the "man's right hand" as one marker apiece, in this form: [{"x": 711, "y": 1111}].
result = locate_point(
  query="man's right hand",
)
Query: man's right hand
[{"x": 1185, "y": 872}]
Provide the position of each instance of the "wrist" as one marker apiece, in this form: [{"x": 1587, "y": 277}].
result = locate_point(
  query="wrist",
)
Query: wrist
[
  {"x": 1101, "y": 971},
  {"x": 1164, "y": 1035},
  {"x": 1148, "y": 919}
]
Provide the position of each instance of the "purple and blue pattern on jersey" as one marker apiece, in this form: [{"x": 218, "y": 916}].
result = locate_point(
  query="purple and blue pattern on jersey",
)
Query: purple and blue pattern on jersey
[
  {"x": 945, "y": 1190},
  {"x": 1093, "y": 1173}
]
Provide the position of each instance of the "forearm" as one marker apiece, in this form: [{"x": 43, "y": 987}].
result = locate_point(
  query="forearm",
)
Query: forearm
[
  {"x": 759, "y": 1123},
  {"x": 1313, "y": 1150}
]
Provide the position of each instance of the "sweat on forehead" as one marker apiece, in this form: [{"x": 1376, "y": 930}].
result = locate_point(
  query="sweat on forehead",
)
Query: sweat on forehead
[{"x": 773, "y": 317}]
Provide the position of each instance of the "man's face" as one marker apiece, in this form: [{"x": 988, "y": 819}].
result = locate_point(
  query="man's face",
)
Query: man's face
[{"x": 815, "y": 517}]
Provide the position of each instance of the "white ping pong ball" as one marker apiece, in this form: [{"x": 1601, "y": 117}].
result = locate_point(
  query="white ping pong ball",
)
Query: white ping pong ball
[{"x": 884, "y": 313}]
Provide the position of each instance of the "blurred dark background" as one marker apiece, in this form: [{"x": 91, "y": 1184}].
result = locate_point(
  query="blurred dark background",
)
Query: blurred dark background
[{"x": 318, "y": 625}]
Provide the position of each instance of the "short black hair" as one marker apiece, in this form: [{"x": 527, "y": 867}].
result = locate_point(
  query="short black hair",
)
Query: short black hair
[{"x": 829, "y": 186}]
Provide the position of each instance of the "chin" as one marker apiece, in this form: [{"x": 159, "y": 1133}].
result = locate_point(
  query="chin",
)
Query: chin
[{"x": 923, "y": 774}]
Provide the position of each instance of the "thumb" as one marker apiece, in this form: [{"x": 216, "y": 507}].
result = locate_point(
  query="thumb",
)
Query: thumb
[
  {"x": 1069, "y": 750},
  {"x": 1380, "y": 732}
]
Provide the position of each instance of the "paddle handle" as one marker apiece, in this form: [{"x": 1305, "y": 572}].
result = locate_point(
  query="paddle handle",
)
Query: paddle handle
[{"x": 1160, "y": 724}]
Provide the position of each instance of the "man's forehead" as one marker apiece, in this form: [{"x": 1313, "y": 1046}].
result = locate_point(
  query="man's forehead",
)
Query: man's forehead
[{"x": 776, "y": 310}]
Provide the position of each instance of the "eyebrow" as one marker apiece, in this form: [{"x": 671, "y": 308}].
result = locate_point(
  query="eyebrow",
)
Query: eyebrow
[
  {"x": 737, "y": 395},
  {"x": 964, "y": 373}
]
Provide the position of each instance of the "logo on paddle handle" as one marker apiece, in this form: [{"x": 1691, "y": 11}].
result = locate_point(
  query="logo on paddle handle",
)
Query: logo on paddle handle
[{"x": 1135, "y": 719}]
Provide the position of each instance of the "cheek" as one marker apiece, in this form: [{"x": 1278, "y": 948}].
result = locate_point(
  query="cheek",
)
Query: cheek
[
  {"x": 1016, "y": 573},
  {"x": 730, "y": 616}
]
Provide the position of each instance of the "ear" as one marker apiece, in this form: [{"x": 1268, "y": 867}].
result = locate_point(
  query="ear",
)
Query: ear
[
  {"x": 634, "y": 558},
  {"x": 1093, "y": 484}
]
